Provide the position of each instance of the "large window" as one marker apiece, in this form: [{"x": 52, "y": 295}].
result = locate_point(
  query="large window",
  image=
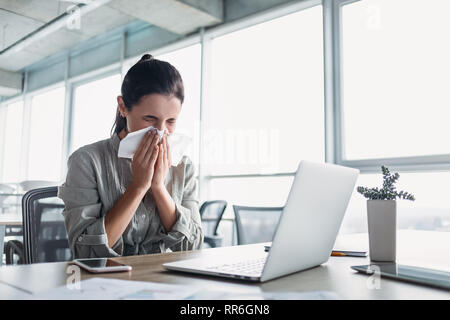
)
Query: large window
[
  {"x": 263, "y": 107},
  {"x": 395, "y": 78},
  {"x": 94, "y": 110},
  {"x": 266, "y": 111},
  {"x": 261, "y": 191},
  {"x": 266, "y": 108},
  {"x": 46, "y": 135},
  {"x": 12, "y": 141},
  {"x": 395, "y": 104}
]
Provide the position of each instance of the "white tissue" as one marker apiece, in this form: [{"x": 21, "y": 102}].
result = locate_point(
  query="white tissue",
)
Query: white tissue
[
  {"x": 130, "y": 143},
  {"x": 178, "y": 144}
]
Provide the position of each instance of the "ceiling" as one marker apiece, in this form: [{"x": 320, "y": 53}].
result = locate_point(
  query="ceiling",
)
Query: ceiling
[{"x": 31, "y": 30}]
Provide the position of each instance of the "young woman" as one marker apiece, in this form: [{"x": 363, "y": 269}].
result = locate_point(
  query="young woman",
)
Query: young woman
[{"x": 118, "y": 206}]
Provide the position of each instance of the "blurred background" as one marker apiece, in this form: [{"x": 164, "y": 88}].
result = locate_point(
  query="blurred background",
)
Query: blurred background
[{"x": 267, "y": 82}]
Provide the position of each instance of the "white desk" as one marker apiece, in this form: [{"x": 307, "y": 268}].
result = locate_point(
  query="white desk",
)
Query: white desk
[{"x": 428, "y": 249}]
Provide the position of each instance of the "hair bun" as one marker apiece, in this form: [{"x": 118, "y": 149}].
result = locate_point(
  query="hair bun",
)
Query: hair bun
[{"x": 146, "y": 57}]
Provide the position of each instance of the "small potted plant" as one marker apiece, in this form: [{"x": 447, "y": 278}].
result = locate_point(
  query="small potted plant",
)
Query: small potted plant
[{"x": 382, "y": 216}]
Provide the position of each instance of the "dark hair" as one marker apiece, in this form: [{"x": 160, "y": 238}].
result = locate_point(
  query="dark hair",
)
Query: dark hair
[{"x": 148, "y": 76}]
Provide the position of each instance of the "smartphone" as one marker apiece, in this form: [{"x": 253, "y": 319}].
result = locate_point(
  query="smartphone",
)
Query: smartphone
[{"x": 100, "y": 265}]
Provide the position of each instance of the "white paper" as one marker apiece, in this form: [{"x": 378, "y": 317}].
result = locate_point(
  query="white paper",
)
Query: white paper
[
  {"x": 114, "y": 289},
  {"x": 178, "y": 144}
]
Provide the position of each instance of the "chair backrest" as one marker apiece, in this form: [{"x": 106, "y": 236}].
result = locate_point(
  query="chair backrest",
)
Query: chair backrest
[
  {"x": 211, "y": 213},
  {"x": 256, "y": 224},
  {"x": 28, "y": 185},
  {"x": 44, "y": 234}
]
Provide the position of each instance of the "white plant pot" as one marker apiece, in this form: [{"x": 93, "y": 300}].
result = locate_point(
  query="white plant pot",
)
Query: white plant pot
[{"x": 382, "y": 223}]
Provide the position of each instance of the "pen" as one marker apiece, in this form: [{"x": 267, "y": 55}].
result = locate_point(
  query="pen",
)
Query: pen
[{"x": 338, "y": 254}]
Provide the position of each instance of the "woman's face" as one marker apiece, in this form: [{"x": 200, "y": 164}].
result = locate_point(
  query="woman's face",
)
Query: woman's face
[{"x": 156, "y": 110}]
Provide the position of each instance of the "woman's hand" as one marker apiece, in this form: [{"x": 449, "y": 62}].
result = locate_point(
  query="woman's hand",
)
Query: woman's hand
[
  {"x": 143, "y": 163},
  {"x": 162, "y": 164}
]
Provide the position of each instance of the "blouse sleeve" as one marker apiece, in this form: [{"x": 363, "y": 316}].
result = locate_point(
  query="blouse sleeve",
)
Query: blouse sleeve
[
  {"x": 187, "y": 233},
  {"x": 84, "y": 221}
]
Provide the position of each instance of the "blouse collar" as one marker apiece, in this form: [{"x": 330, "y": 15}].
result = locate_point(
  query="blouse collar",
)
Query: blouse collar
[{"x": 115, "y": 141}]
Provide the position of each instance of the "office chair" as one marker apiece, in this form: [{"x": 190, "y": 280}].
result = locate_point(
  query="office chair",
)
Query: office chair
[
  {"x": 45, "y": 236},
  {"x": 15, "y": 246},
  {"x": 12, "y": 248},
  {"x": 256, "y": 224},
  {"x": 211, "y": 213}
]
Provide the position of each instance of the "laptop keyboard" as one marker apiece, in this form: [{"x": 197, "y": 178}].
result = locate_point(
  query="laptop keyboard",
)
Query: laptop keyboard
[{"x": 246, "y": 267}]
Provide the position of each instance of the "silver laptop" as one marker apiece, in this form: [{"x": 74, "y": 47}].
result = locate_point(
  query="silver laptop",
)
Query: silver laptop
[{"x": 305, "y": 234}]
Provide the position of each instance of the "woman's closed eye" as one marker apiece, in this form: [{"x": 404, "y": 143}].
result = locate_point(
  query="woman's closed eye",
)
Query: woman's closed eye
[{"x": 150, "y": 118}]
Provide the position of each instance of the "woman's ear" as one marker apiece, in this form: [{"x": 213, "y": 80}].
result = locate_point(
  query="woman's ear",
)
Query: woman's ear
[{"x": 122, "y": 108}]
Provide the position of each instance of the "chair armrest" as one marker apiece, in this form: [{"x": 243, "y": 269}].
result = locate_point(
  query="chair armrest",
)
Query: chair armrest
[{"x": 14, "y": 247}]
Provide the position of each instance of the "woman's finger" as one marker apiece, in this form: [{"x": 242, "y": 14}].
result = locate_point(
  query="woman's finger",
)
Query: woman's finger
[
  {"x": 151, "y": 148},
  {"x": 139, "y": 154},
  {"x": 154, "y": 156}
]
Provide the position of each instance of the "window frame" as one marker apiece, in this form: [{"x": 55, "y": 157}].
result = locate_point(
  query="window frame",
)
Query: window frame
[{"x": 73, "y": 84}]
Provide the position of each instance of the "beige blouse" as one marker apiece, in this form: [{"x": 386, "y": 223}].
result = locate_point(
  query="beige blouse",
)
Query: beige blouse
[{"x": 97, "y": 178}]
